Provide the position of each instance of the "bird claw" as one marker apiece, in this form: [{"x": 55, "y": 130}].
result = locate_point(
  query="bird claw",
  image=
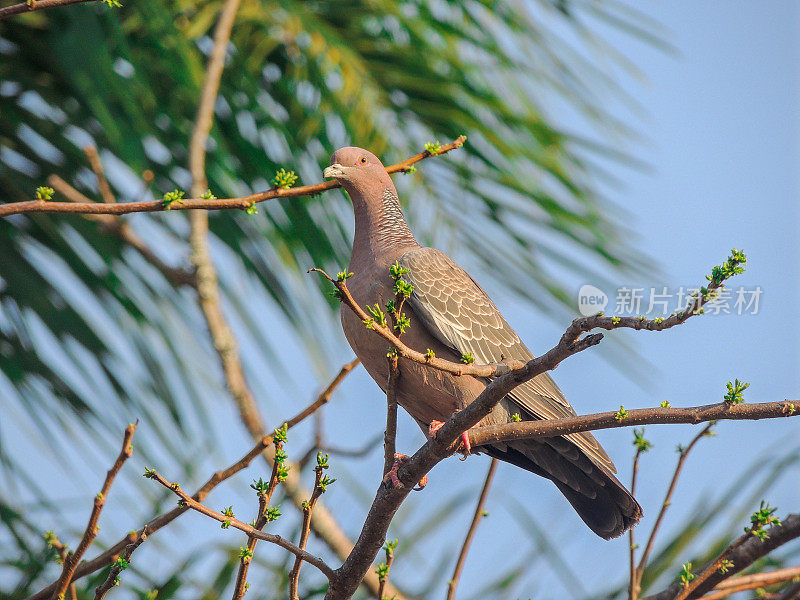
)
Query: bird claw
[
  {"x": 392, "y": 477},
  {"x": 466, "y": 446}
]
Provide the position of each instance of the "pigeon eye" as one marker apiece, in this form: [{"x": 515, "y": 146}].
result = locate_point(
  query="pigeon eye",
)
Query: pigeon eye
[{"x": 363, "y": 160}]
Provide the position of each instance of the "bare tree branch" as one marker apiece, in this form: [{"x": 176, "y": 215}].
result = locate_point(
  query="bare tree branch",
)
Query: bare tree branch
[
  {"x": 320, "y": 485},
  {"x": 742, "y": 557},
  {"x": 34, "y": 5},
  {"x": 751, "y": 582},
  {"x": 124, "y": 232},
  {"x": 476, "y": 518},
  {"x": 693, "y": 415},
  {"x": 106, "y": 558},
  {"x": 97, "y": 166},
  {"x": 72, "y": 560},
  {"x": 633, "y": 582},
  {"x": 572, "y": 335},
  {"x": 62, "y": 551},
  {"x": 262, "y": 518},
  {"x": 242, "y": 203},
  {"x": 666, "y": 504},
  {"x": 237, "y": 524},
  {"x": 325, "y": 395},
  {"x": 119, "y": 565}
]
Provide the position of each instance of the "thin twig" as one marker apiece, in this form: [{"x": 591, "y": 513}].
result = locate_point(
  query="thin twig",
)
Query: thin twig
[
  {"x": 107, "y": 557},
  {"x": 752, "y": 582},
  {"x": 206, "y": 274},
  {"x": 237, "y": 524},
  {"x": 63, "y": 551},
  {"x": 124, "y": 232},
  {"x": 25, "y": 7},
  {"x": 390, "y": 434},
  {"x": 692, "y": 415},
  {"x": 294, "y": 575},
  {"x": 722, "y": 563},
  {"x": 633, "y": 584},
  {"x": 571, "y": 336},
  {"x": 667, "y": 501},
  {"x": 242, "y": 203},
  {"x": 354, "y": 452},
  {"x": 72, "y": 560},
  {"x": 742, "y": 557},
  {"x": 119, "y": 565},
  {"x": 476, "y": 518},
  {"x": 97, "y": 166},
  {"x": 262, "y": 518},
  {"x": 325, "y": 396},
  {"x": 384, "y": 569}
]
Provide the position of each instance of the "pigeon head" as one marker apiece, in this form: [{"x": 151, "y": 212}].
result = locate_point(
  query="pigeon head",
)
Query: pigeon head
[
  {"x": 359, "y": 171},
  {"x": 380, "y": 224}
]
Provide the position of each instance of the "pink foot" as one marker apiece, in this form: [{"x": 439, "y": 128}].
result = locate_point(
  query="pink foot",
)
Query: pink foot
[
  {"x": 399, "y": 459},
  {"x": 466, "y": 446}
]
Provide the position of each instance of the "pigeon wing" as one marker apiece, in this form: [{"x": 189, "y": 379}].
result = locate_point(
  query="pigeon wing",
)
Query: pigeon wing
[{"x": 456, "y": 310}]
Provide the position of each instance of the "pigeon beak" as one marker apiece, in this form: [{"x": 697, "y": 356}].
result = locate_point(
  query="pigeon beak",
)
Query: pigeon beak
[{"x": 335, "y": 171}]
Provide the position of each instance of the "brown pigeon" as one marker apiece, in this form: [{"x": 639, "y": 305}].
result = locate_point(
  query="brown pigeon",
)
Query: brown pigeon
[{"x": 452, "y": 315}]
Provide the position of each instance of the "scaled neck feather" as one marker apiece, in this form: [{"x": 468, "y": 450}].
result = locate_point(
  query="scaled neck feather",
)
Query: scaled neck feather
[{"x": 381, "y": 228}]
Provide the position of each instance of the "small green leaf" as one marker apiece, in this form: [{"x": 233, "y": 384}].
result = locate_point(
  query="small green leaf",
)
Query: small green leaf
[
  {"x": 260, "y": 486},
  {"x": 44, "y": 193},
  {"x": 324, "y": 482},
  {"x": 377, "y": 314},
  {"x": 322, "y": 460},
  {"x": 403, "y": 323},
  {"x": 245, "y": 554},
  {"x": 735, "y": 394},
  {"x": 403, "y": 288},
  {"x": 686, "y": 574},
  {"x": 171, "y": 198},
  {"x": 642, "y": 445},
  {"x": 396, "y": 271},
  {"x": 280, "y": 435},
  {"x": 272, "y": 513},
  {"x": 433, "y": 148},
  {"x": 284, "y": 179}
]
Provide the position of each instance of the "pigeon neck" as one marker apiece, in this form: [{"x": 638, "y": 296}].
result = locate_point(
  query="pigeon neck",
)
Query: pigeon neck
[{"x": 381, "y": 227}]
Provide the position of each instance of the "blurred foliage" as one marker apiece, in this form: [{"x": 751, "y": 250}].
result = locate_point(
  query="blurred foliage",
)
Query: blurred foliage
[{"x": 92, "y": 336}]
